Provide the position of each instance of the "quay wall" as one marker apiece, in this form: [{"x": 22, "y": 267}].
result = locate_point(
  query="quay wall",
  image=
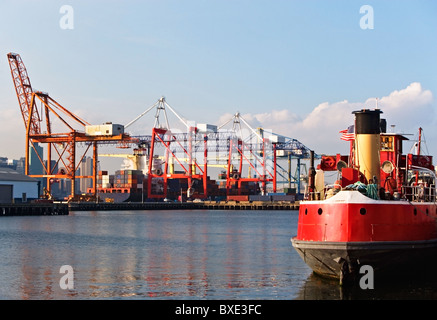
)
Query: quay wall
[
  {"x": 40, "y": 209},
  {"x": 33, "y": 209},
  {"x": 205, "y": 205}
]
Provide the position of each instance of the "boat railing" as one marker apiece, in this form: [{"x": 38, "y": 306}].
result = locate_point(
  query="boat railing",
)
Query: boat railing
[{"x": 419, "y": 193}]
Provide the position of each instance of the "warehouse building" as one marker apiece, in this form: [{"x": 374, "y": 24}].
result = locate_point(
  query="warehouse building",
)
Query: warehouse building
[{"x": 16, "y": 187}]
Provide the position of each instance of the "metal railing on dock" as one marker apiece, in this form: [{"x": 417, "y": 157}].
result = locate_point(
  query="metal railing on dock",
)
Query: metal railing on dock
[
  {"x": 33, "y": 209},
  {"x": 205, "y": 205},
  {"x": 246, "y": 205}
]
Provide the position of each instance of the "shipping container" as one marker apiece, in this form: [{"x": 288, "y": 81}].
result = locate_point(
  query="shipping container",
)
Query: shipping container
[
  {"x": 290, "y": 197},
  {"x": 260, "y": 198},
  {"x": 290, "y": 190},
  {"x": 238, "y": 198},
  {"x": 106, "y": 129}
]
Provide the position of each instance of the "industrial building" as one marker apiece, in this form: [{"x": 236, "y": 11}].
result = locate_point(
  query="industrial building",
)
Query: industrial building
[{"x": 16, "y": 187}]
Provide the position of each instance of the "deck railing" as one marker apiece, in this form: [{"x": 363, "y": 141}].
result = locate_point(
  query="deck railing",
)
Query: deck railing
[{"x": 419, "y": 193}]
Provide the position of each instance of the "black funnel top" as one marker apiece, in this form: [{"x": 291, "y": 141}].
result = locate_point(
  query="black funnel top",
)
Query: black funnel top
[{"x": 367, "y": 121}]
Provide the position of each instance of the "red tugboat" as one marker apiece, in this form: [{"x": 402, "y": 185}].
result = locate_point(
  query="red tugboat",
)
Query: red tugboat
[{"x": 381, "y": 212}]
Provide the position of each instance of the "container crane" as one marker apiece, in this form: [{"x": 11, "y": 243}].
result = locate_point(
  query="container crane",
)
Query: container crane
[
  {"x": 38, "y": 107},
  {"x": 264, "y": 148},
  {"x": 163, "y": 136},
  {"x": 253, "y": 149}
]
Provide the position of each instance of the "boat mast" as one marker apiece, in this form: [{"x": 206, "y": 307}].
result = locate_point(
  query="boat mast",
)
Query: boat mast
[{"x": 419, "y": 142}]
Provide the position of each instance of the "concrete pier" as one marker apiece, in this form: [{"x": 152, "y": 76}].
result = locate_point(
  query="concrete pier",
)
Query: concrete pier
[
  {"x": 40, "y": 209},
  {"x": 205, "y": 205},
  {"x": 33, "y": 209}
]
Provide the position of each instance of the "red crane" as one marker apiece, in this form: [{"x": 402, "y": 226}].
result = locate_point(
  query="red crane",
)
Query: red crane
[
  {"x": 256, "y": 153},
  {"x": 60, "y": 136}
]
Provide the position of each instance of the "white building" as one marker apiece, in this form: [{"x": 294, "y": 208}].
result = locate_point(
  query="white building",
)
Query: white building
[{"x": 17, "y": 187}]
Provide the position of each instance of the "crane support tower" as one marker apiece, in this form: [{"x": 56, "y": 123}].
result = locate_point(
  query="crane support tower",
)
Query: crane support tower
[{"x": 60, "y": 136}]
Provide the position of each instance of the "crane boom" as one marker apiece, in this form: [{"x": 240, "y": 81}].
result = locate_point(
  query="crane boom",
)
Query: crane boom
[{"x": 24, "y": 92}]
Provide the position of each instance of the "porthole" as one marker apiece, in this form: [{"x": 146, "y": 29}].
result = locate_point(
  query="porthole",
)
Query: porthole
[
  {"x": 363, "y": 211},
  {"x": 306, "y": 211},
  {"x": 415, "y": 211},
  {"x": 427, "y": 211},
  {"x": 320, "y": 211}
]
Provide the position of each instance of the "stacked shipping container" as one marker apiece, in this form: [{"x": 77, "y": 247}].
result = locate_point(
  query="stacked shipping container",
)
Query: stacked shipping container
[
  {"x": 129, "y": 179},
  {"x": 134, "y": 183}
]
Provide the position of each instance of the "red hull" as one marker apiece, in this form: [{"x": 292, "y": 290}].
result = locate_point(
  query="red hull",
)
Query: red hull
[
  {"x": 350, "y": 216},
  {"x": 337, "y": 235}
]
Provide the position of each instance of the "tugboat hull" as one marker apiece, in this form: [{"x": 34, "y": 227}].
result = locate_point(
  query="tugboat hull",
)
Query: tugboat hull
[
  {"x": 339, "y": 235},
  {"x": 343, "y": 260}
]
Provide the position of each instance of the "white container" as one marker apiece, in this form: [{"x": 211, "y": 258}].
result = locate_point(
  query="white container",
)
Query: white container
[
  {"x": 204, "y": 127},
  {"x": 107, "y": 129}
]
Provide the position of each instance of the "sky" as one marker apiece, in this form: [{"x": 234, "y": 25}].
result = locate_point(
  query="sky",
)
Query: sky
[{"x": 298, "y": 68}]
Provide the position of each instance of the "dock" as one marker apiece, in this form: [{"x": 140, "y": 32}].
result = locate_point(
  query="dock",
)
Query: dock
[
  {"x": 34, "y": 209},
  {"x": 63, "y": 208},
  {"x": 246, "y": 205},
  {"x": 204, "y": 205}
]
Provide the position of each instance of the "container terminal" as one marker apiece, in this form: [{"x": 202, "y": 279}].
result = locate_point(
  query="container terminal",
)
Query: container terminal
[{"x": 201, "y": 165}]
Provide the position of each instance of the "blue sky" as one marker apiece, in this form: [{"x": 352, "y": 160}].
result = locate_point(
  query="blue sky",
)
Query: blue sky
[{"x": 297, "y": 67}]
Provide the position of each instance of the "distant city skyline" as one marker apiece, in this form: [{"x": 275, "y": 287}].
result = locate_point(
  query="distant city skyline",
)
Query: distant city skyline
[{"x": 298, "y": 68}]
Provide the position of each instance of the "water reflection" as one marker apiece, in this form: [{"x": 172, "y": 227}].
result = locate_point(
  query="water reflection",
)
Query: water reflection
[
  {"x": 183, "y": 255},
  {"x": 407, "y": 287},
  {"x": 169, "y": 255}
]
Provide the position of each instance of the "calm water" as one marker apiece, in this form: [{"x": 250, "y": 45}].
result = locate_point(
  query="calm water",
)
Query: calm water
[{"x": 168, "y": 255}]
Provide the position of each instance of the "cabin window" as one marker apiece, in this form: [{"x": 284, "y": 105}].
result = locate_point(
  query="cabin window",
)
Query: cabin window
[{"x": 387, "y": 143}]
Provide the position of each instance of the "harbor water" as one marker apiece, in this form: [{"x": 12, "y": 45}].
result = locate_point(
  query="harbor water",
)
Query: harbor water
[{"x": 168, "y": 254}]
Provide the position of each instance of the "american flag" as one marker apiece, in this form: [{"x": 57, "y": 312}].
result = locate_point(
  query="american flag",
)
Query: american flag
[{"x": 348, "y": 134}]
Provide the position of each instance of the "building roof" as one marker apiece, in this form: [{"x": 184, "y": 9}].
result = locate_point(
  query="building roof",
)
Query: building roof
[{"x": 7, "y": 174}]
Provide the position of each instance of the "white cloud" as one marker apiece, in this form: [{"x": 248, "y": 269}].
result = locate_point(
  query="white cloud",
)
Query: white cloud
[{"x": 407, "y": 108}]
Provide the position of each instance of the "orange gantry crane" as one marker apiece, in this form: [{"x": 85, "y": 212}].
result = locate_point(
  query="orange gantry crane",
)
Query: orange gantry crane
[{"x": 60, "y": 136}]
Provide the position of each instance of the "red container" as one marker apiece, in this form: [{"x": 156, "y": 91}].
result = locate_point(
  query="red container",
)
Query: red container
[{"x": 238, "y": 198}]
